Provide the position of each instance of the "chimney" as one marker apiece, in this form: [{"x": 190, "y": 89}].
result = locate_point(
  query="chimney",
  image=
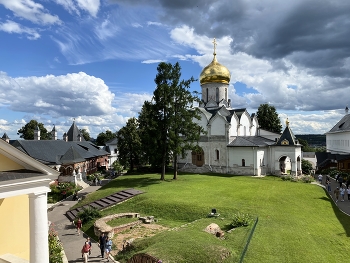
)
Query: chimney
[
  {"x": 346, "y": 110},
  {"x": 54, "y": 133},
  {"x": 65, "y": 137},
  {"x": 37, "y": 134},
  {"x": 6, "y": 138}
]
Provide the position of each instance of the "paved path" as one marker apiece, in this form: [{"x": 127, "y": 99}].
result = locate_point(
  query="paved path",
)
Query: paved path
[
  {"x": 72, "y": 242},
  {"x": 343, "y": 206}
]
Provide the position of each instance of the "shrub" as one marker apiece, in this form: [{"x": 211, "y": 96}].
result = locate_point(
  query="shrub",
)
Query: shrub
[
  {"x": 56, "y": 191},
  {"x": 241, "y": 219},
  {"x": 55, "y": 247},
  {"x": 307, "y": 179},
  {"x": 88, "y": 214}
]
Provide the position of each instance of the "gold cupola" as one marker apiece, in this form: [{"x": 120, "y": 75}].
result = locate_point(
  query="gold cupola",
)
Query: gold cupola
[{"x": 215, "y": 72}]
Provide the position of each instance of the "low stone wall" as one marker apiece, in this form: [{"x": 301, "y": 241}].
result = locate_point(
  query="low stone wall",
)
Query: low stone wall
[{"x": 100, "y": 225}]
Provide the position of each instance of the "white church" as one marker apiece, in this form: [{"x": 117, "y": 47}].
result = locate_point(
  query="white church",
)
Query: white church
[{"x": 233, "y": 143}]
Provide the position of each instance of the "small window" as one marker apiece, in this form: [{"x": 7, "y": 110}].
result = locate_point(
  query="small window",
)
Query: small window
[
  {"x": 243, "y": 162},
  {"x": 115, "y": 150},
  {"x": 217, "y": 153}
]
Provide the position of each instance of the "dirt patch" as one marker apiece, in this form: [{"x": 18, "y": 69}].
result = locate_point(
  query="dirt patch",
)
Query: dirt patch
[{"x": 139, "y": 231}]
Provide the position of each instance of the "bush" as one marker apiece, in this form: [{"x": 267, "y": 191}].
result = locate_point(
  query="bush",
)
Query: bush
[
  {"x": 241, "y": 219},
  {"x": 55, "y": 247},
  {"x": 88, "y": 214},
  {"x": 307, "y": 179},
  {"x": 56, "y": 193}
]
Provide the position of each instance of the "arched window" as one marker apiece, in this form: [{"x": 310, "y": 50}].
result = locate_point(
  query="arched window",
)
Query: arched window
[
  {"x": 217, "y": 94},
  {"x": 243, "y": 162},
  {"x": 207, "y": 95},
  {"x": 226, "y": 94},
  {"x": 217, "y": 154}
]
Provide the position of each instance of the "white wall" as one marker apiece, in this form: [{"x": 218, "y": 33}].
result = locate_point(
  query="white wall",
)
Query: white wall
[{"x": 338, "y": 142}]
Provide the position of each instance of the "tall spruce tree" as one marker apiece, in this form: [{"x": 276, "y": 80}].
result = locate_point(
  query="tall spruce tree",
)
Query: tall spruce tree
[
  {"x": 170, "y": 116},
  {"x": 268, "y": 118}
]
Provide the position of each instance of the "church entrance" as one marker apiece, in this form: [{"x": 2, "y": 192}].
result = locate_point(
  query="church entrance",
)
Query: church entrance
[{"x": 198, "y": 157}]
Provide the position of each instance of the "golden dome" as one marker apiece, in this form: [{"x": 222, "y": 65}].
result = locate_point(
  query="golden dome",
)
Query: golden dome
[{"x": 215, "y": 72}]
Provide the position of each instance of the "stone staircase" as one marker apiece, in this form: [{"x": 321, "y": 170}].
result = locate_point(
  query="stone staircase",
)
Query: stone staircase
[{"x": 105, "y": 202}]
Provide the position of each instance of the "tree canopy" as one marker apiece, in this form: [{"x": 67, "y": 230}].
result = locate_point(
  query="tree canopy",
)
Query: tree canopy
[
  {"x": 27, "y": 131},
  {"x": 268, "y": 118},
  {"x": 104, "y": 137},
  {"x": 85, "y": 134},
  {"x": 129, "y": 144},
  {"x": 167, "y": 122}
]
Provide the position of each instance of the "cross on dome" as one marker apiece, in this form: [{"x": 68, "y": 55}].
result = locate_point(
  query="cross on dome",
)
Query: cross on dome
[{"x": 214, "y": 42}]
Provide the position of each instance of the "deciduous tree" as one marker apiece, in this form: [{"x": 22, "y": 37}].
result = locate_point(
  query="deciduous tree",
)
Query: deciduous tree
[
  {"x": 268, "y": 118},
  {"x": 27, "y": 131},
  {"x": 85, "y": 134},
  {"x": 104, "y": 137},
  {"x": 129, "y": 144}
]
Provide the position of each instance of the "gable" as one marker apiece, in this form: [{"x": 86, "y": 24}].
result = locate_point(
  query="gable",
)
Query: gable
[{"x": 6, "y": 164}]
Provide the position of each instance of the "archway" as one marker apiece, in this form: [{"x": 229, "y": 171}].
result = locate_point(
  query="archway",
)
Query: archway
[{"x": 285, "y": 164}]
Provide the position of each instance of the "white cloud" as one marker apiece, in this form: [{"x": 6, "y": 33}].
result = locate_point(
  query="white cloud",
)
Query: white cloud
[
  {"x": 151, "y": 23},
  {"x": 12, "y": 27},
  {"x": 69, "y": 5},
  {"x": 73, "y": 95},
  {"x": 31, "y": 11},
  {"x": 136, "y": 25},
  {"x": 91, "y": 6},
  {"x": 152, "y": 61},
  {"x": 106, "y": 29}
]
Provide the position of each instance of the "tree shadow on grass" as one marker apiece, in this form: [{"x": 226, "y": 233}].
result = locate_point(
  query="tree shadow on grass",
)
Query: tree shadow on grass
[
  {"x": 132, "y": 182},
  {"x": 341, "y": 216}
]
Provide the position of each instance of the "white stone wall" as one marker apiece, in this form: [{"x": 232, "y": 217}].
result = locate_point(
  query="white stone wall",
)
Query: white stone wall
[
  {"x": 338, "y": 142},
  {"x": 244, "y": 129},
  {"x": 233, "y": 127},
  {"x": 218, "y": 126},
  {"x": 211, "y": 88}
]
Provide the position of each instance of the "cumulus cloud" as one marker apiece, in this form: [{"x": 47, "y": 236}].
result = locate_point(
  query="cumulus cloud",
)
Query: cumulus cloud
[
  {"x": 73, "y": 95},
  {"x": 31, "y": 11},
  {"x": 13, "y": 27}
]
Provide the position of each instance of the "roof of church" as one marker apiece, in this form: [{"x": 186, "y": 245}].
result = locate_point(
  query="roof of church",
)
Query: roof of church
[
  {"x": 251, "y": 141},
  {"x": 51, "y": 151},
  {"x": 287, "y": 138},
  {"x": 74, "y": 133},
  {"x": 342, "y": 125},
  {"x": 213, "y": 112}
]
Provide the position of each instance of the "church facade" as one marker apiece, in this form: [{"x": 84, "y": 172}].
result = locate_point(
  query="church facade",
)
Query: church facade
[{"x": 232, "y": 142}]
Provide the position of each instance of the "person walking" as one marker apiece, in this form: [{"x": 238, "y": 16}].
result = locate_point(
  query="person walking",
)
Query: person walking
[
  {"x": 340, "y": 181},
  {"x": 342, "y": 193},
  {"x": 336, "y": 194},
  {"x": 85, "y": 251},
  {"x": 108, "y": 247},
  {"x": 320, "y": 178},
  {"x": 89, "y": 241},
  {"x": 102, "y": 244},
  {"x": 79, "y": 226}
]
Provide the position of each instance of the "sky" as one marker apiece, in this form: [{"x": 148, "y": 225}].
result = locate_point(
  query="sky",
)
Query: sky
[{"x": 94, "y": 61}]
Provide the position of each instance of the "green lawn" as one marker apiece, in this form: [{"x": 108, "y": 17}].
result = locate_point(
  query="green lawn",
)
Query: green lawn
[{"x": 297, "y": 221}]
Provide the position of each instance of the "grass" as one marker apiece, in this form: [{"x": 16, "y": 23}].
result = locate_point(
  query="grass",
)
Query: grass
[
  {"x": 121, "y": 221},
  {"x": 297, "y": 221}
]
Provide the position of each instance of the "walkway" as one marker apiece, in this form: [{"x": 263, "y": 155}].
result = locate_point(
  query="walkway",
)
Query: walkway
[
  {"x": 343, "y": 206},
  {"x": 71, "y": 241}
]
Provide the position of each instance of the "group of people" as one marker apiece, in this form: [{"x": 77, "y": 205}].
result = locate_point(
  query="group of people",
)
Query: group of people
[
  {"x": 340, "y": 190},
  {"x": 105, "y": 244}
]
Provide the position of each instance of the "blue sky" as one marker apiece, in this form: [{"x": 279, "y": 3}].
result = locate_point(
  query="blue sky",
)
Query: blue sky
[{"x": 95, "y": 60}]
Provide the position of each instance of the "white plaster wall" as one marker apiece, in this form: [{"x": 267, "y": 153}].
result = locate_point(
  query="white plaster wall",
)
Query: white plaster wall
[
  {"x": 218, "y": 126},
  {"x": 291, "y": 152},
  {"x": 233, "y": 128},
  {"x": 202, "y": 122},
  {"x": 236, "y": 154},
  {"x": 223, "y": 91},
  {"x": 253, "y": 129},
  {"x": 338, "y": 142},
  {"x": 245, "y": 125}
]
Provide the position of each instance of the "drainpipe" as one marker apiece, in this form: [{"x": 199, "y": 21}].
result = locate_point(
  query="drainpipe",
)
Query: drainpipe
[{"x": 253, "y": 162}]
